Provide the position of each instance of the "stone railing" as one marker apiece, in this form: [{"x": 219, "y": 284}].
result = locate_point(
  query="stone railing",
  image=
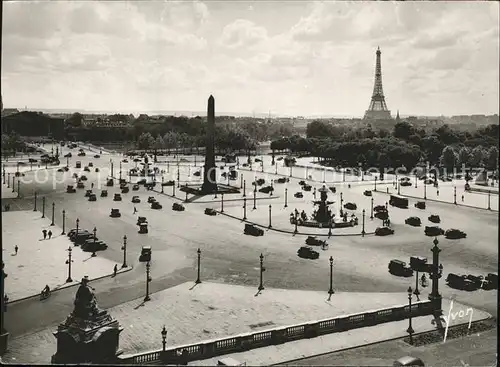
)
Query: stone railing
[{"x": 243, "y": 342}]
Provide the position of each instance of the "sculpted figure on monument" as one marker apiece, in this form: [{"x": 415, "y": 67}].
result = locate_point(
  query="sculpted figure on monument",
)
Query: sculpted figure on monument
[{"x": 85, "y": 301}]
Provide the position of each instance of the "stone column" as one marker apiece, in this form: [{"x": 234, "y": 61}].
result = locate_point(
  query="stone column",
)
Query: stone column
[{"x": 209, "y": 180}]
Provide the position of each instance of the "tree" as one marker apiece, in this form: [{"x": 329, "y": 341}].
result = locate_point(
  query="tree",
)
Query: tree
[
  {"x": 464, "y": 155},
  {"x": 158, "y": 144},
  {"x": 491, "y": 160},
  {"x": 75, "y": 120},
  {"x": 318, "y": 129},
  {"x": 403, "y": 130},
  {"x": 432, "y": 148},
  {"x": 449, "y": 157},
  {"x": 145, "y": 141},
  {"x": 476, "y": 157}
]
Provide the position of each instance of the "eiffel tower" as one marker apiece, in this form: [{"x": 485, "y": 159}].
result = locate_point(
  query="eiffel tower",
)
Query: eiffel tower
[{"x": 378, "y": 109}]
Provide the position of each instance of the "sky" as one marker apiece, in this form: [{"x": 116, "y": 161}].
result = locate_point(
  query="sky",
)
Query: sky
[{"x": 287, "y": 57}]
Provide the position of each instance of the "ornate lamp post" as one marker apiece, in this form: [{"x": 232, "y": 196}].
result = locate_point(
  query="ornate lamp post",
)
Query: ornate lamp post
[
  {"x": 112, "y": 174},
  {"x": 437, "y": 271},
  {"x": 254, "y": 197},
  {"x": 198, "y": 280},
  {"x": 162, "y": 179},
  {"x": 95, "y": 238},
  {"x": 296, "y": 222},
  {"x": 270, "y": 226},
  {"x": 43, "y": 207},
  {"x": 13, "y": 183},
  {"x": 241, "y": 181},
  {"x": 363, "y": 229},
  {"x": 425, "y": 188},
  {"x": 120, "y": 171},
  {"x": 4, "y": 301},
  {"x": 371, "y": 211},
  {"x": 262, "y": 269},
  {"x": 53, "y": 210},
  {"x": 124, "y": 248},
  {"x": 173, "y": 190},
  {"x": 8, "y": 180},
  {"x": 178, "y": 176},
  {"x": 331, "y": 291},
  {"x": 341, "y": 206},
  {"x": 330, "y": 228},
  {"x": 34, "y": 208},
  {"x": 416, "y": 292},
  {"x": 410, "y": 330},
  {"x": 64, "y": 221},
  {"x": 244, "y": 208},
  {"x": 290, "y": 171},
  {"x": 244, "y": 187},
  {"x": 489, "y": 196},
  {"x": 375, "y": 189},
  {"x": 69, "y": 261},
  {"x": 186, "y": 199},
  {"x": 148, "y": 279},
  {"x": 416, "y": 180},
  {"x": 164, "y": 337},
  {"x": 222, "y": 202},
  {"x": 455, "y": 195},
  {"x": 343, "y": 175},
  {"x": 399, "y": 187},
  {"x": 19, "y": 189},
  {"x": 286, "y": 197},
  {"x": 3, "y": 175}
]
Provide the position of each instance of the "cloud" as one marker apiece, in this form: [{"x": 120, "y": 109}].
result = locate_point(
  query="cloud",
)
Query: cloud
[{"x": 242, "y": 33}]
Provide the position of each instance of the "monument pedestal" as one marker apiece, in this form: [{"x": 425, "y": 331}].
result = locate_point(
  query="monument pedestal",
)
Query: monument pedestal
[
  {"x": 4, "y": 339},
  {"x": 88, "y": 341}
]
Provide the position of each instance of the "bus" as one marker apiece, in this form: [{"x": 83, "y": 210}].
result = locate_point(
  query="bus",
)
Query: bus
[{"x": 399, "y": 201}]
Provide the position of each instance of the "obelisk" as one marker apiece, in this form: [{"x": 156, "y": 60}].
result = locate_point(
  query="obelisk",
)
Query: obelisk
[{"x": 209, "y": 184}]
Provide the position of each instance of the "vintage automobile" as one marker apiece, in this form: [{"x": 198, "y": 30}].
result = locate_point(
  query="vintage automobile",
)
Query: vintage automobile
[
  {"x": 97, "y": 156},
  {"x": 91, "y": 164},
  {"x": 92, "y": 197},
  {"x": 87, "y": 193},
  {"x": 59, "y": 170},
  {"x": 307, "y": 187},
  {"x": 282, "y": 180},
  {"x": 143, "y": 228},
  {"x": 92, "y": 246},
  {"x": 72, "y": 232},
  {"x": 418, "y": 263},
  {"x": 81, "y": 237},
  {"x": 104, "y": 193},
  {"x": 400, "y": 268},
  {"x": 461, "y": 282},
  {"x": 279, "y": 158},
  {"x": 302, "y": 183},
  {"x": 141, "y": 220},
  {"x": 168, "y": 183},
  {"x": 413, "y": 221},
  {"x": 266, "y": 189},
  {"x": 178, "y": 207},
  {"x": 382, "y": 215},
  {"x": 420, "y": 205},
  {"x": 405, "y": 183},
  {"x": 125, "y": 160},
  {"x": 197, "y": 173},
  {"x": 125, "y": 189},
  {"x": 467, "y": 187},
  {"x": 307, "y": 252},
  {"x": 70, "y": 189},
  {"x": 156, "y": 205},
  {"x": 151, "y": 199},
  {"x": 68, "y": 155},
  {"x": 252, "y": 230},
  {"x": 434, "y": 218},
  {"x": 433, "y": 231},
  {"x": 380, "y": 208},
  {"x": 383, "y": 231},
  {"x": 80, "y": 185},
  {"x": 367, "y": 193},
  {"x": 135, "y": 187},
  {"x": 490, "y": 281},
  {"x": 398, "y": 201},
  {"x": 97, "y": 169},
  {"x": 83, "y": 178},
  {"x": 135, "y": 199},
  {"x": 149, "y": 185},
  {"x": 245, "y": 164},
  {"x": 122, "y": 181},
  {"x": 82, "y": 154},
  {"x": 117, "y": 197},
  {"x": 260, "y": 182},
  {"x": 210, "y": 211},
  {"x": 408, "y": 361},
  {"x": 115, "y": 213},
  {"x": 350, "y": 206},
  {"x": 145, "y": 254},
  {"x": 258, "y": 160},
  {"x": 454, "y": 234},
  {"x": 298, "y": 195},
  {"x": 315, "y": 241},
  {"x": 110, "y": 182},
  {"x": 78, "y": 164}
]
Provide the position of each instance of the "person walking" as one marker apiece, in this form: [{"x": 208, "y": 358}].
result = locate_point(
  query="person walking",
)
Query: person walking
[
  {"x": 92, "y": 185},
  {"x": 50, "y": 234},
  {"x": 16, "y": 249},
  {"x": 115, "y": 269},
  {"x": 462, "y": 197},
  {"x": 44, "y": 234},
  {"x": 437, "y": 192},
  {"x": 135, "y": 210}
]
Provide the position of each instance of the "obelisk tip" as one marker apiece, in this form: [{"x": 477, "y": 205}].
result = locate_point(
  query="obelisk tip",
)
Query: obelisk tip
[{"x": 211, "y": 98}]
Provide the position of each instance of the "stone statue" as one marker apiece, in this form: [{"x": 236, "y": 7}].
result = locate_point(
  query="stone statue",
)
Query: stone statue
[{"x": 85, "y": 301}]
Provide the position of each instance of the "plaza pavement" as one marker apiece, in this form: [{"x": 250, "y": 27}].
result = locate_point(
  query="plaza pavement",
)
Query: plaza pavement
[
  {"x": 210, "y": 310},
  {"x": 7, "y": 192},
  {"x": 40, "y": 262}
]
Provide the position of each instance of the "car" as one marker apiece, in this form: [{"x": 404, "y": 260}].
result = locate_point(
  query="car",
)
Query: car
[
  {"x": 143, "y": 228},
  {"x": 279, "y": 158},
  {"x": 137, "y": 160},
  {"x": 197, "y": 173},
  {"x": 151, "y": 199},
  {"x": 350, "y": 206},
  {"x": 125, "y": 189},
  {"x": 419, "y": 263},
  {"x": 92, "y": 246},
  {"x": 135, "y": 199},
  {"x": 420, "y": 205},
  {"x": 66, "y": 169},
  {"x": 260, "y": 182},
  {"x": 210, "y": 211},
  {"x": 398, "y": 201},
  {"x": 104, "y": 193},
  {"x": 149, "y": 185},
  {"x": 156, "y": 205},
  {"x": 405, "y": 183},
  {"x": 462, "y": 282},
  {"x": 122, "y": 181},
  {"x": 70, "y": 189},
  {"x": 142, "y": 181},
  {"x": 87, "y": 193},
  {"x": 97, "y": 156},
  {"x": 141, "y": 220},
  {"x": 78, "y": 164},
  {"x": 117, "y": 197},
  {"x": 367, "y": 193},
  {"x": 409, "y": 361},
  {"x": 266, "y": 189},
  {"x": 434, "y": 218},
  {"x": 115, "y": 213},
  {"x": 80, "y": 185},
  {"x": 490, "y": 281},
  {"x": 298, "y": 195},
  {"x": 413, "y": 221},
  {"x": 315, "y": 241},
  {"x": 454, "y": 234},
  {"x": 302, "y": 182},
  {"x": 383, "y": 231},
  {"x": 125, "y": 160},
  {"x": 145, "y": 254},
  {"x": 59, "y": 170},
  {"x": 97, "y": 169},
  {"x": 72, "y": 232},
  {"x": 400, "y": 268},
  {"x": 81, "y": 154},
  {"x": 307, "y": 252},
  {"x": 307, "y": 187},
  {"x": 380, "y": 208},
  {"x": 282, "y": 180},
  {"x": 135, "y": 187},
  {"x": 81, "y": 237},
  {"x": 109, "y": 182},
  {"x": 91, "y": 164},
  {"x": 83, "y": 178},
  {"x": 252, "y": 230},
  {"x": 258, "y": 160},
  {"x": 177, "y": 207},
  {"x": 382, "y": 215},
  {"x": 68, "y": 155},
  {"x": 433, "y": 231}
]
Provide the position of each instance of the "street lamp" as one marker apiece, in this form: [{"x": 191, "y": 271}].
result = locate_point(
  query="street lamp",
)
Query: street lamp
[
  {"x": 13, "y": 183},
  {"x": 262, "y": 269},
  {"x": 148, "y": 279},
  {"x": 198, "y": 280},
  {"x": 19, "y": 189},
  {"x": 8, "y": 180},
  {"x": 69, "y": 261},
  {"x": 244, "y": 208},
  {"x": 371, "y": 212},
  {"x": 64, "y": 221},
  {"x": 93, "y": 252},
  {"x": 489, "y": 196},
  {"x": 363, "y": 229},
  {"x": 77, "y": 225},
  {"x": 410, "y": 330},
  {"x": 124, "y": 248},
  {"x": 241, "y": 181},
  {"x": 286, "y": 197},
  {"x": 270, "y": 226},
  {"x": 416, "y": 292},
  {"x": 330, "y": 228},
  {"x": 120, "y": 171},
  {"x": 222, "y": 202},
  {"x": 375, "y": 189},
  {"x": 43, "y": 207},
  {"x": 455, "y": 195},
  {"x": 290, "y": 171},
  {"x": 173, "y": 190},
  {"x": 296, "y": 221},
  {"x": 416, "y": 180},
  {"x": 34, "y": 208},
  {"x": 162, "y": 183},
  {"x": 254, "y": 197},
  {"x": 331, "y": 291},
  {"x": 53, "y": 209},
  {"x": 341, "y": 206},
  {"x": 244, "y": 188},
  {"x": 164, "y": 337}
]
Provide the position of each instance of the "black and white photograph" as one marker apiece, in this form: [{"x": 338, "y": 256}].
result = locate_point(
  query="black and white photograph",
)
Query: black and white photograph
[{"x": 249, "y": 183}]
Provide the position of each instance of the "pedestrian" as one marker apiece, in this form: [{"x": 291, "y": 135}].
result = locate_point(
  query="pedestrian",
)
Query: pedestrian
[
  {"x": 462, "y": 197},
  {"x": 92, "y": 185},
  {"x": 16, "y": 249},
  {"x": 50, "y": 234},
  {"x": 437, "y": 192},
  {"x": 135, "y": 210},
  {"x": 115, "y": 269},
  {"x": 44, "y": 234}
]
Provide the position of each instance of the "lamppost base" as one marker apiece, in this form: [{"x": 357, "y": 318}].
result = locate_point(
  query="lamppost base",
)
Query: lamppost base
[
  {"x": 331, "y": 291},
  {"x": 416, "y": 292},
  {"x": 93, "y": 254},
  {"x": 124, "y": 266},
  {"x": 63, "y": 233},
  {"x": 261, "y": 288},
  {"x": 198, "y": 281},
  {"x": 69, "y": 280},
  {"x": 52, "y": 224},
  {"x": 147, "y": 299}
]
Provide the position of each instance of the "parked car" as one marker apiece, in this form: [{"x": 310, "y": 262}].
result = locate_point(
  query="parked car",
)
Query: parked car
[
  {"x": 178, "y": 207},
  {"x": 81, "y": 154},
  {"x": 315, "y": 241},
  {"x": 405, "y": 183},
  {"x": 433, "y": 231},
  {"x": 413, "y": 221},
  {"x": 298, "y": 195},
  {"x": 461, "y": 282},
  {"x": 92, "y": 197},
  {"x": 491, "y": 281},
  {"x": 97, "y": 156},
  {"x": 135, "y": 187},
  {"x": 115, "y": 213},
  {"x": 168, "y": 183},
  {"x": 151, "y": 199},
  {"x": 143, "y": 228},
  {"x": 283, "y": 180},
  {"x": 80, "y": 185},
  {"x": 420, "y": 205},
  {"x": 125, "y": 160},
  {"x": 135, "y": 199},
  {"x": 125, "y": 189},
  {"x": 400, "y": 268},
  {"x": 197, "y": 173},
  {"x": 70, "y": 189},
  {"x": 350, "y": 206},
  {"x": 68, "y": 155},
  {"x": 409, "y": 361},
  {"x": 302, "y": 182},
  {"x": 87, "y": 193},
  {"x": 83, "y": 178},
  {"x": 104, "y": 193},
  {"x": 210, "y": 211},
  {"x": 78, "y": 164},
  {"x": 434, "y": 218},
  {"x": 383, "y": 231},
  {"x": 252, "y": 230},
  {"x": 92, "y": 246},
  {"x": 307, "y": 187},
  {"x": 117, "y": 197},
  {"x": 454, "y": 234},
  {"x": 398, "y": 201},
  {"x": 266, "y": 189},
  {"x": 307, "y": 252},
  {"x": 367, "y": 193},
  {"x": 91, "y": 164},
  {"x": 81, "y": 237},
  {"x": 145, "y": 254},
  {"x": 141, "y": 220},
  {"x": 97, "y": 169},
  {"x": 156, "y": 205},
  {"x": 418, "y": 263},
  {"x": 382, "y": 215},
  {"x": 59, "y": 170},
  {"x": 72, "y": 233}
]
